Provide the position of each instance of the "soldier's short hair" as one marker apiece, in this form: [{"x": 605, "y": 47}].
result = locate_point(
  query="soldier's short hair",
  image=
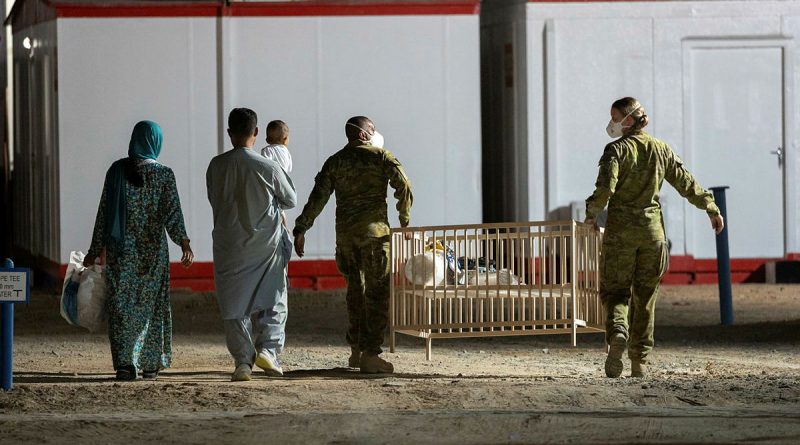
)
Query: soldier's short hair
[
  {"x": 242, "y": 122},
  {"x": 277, "y": 131},
  {"x": 629, "y": 105},
  {"x": 351, "y": 128}
]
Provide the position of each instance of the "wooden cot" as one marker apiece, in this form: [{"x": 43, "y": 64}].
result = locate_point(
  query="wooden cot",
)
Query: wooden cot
[{"x": 528, "y": 278}]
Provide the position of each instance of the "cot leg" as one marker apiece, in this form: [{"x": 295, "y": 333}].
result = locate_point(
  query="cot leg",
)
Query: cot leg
[
  {"x": 391, "y": 341},
  {"x": 428, "y": 344},
  {"x": 574, "y": 334}
]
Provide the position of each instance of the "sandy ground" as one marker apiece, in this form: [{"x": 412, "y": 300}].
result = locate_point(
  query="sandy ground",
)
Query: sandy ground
[{"x": 710, "y": 384}]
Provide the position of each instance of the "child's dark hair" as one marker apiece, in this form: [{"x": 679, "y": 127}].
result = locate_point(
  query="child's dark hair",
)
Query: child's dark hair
[{"x": 277, "y": 131}]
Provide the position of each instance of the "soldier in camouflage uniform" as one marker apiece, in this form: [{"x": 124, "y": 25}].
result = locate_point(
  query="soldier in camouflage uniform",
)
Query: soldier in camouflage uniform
[
  {"x": 635, "y": 253},
  {"x": 358, "y": 174}
]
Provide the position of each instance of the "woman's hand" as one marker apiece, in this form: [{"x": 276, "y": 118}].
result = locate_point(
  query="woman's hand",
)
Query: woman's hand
[
  {"x": 91, "y": 260},
  {"x": 188, "y": 256},
  {"x": 88, "y": 260}
]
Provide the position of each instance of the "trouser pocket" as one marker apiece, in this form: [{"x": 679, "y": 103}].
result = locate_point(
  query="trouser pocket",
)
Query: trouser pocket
[{"x": 664, "y": 264}]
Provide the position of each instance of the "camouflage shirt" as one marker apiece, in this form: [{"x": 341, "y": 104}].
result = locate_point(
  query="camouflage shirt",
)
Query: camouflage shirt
[
  {"x": 632, "y": 170},
  {"x": 358, "y": 174}
]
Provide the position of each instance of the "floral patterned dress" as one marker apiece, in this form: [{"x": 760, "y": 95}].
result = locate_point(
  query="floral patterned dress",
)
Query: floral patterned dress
[{"x": 137, "y": 276}]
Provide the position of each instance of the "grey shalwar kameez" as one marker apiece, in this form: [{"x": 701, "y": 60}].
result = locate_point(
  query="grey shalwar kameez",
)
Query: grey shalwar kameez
[{"x": 251, "y": 249}]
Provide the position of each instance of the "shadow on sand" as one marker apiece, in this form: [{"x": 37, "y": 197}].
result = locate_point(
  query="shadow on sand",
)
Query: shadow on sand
[{"x": 197, "y": 377}]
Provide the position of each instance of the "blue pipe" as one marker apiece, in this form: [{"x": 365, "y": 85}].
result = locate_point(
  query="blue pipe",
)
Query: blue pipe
[
  {"x": 7, "y": 342},
  {"x": 724, "y": 261}
]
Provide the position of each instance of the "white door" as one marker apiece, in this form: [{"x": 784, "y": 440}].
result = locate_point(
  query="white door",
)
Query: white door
[{"x": 735, "y": 121}]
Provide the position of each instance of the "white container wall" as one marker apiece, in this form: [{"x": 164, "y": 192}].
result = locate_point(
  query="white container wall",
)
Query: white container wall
[
  {"x": 717, "y": 79},
  {"x": 316, "y": 72},
  {"x": 114, "y": 72},
  {"x": 416, "y": 76}
]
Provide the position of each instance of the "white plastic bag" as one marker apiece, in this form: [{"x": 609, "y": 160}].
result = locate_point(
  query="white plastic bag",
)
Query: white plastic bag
[
  {"x": 83, "y": 297},
  {"x": 427, "y": 269},
  {"x": 69, "y": 291},
  {"x": 502, "y": 277},
  {"x": 92, "y": 313}
]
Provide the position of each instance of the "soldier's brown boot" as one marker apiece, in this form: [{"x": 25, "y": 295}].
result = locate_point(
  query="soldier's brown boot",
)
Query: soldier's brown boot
[
  {"x": 372, "y": 364},
  {"x": 614, "y": 359},
  {"x": 638, "y": 369},
  {"x": 355, "y": 357}
]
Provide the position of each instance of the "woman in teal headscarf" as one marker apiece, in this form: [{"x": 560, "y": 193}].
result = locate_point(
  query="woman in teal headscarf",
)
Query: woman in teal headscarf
[{"x": 139, "y": 203}]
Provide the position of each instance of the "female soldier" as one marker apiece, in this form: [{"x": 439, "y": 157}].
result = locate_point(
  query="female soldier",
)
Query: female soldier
[{"x": 635, "y": 254}]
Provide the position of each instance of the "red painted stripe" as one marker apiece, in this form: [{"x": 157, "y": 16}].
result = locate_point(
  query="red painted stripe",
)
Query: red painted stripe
[
  {"x": 680, "y": 263},
  {"x": 303, "y": 274},
  {"x": 301, "y": 283},
  {"x": 313, "y": 268},
  {"x": 736, "y": 277},
  {"x": 323, "y": 274},
  {"x": 266, "y": 9},
  {"x": 677, "y": 278},
  {"x": 342, "y": 8},
  {"x": 145, "y": 10},
  {"x": 737, "y": 264},
  {"x": 198, "y": 270}
]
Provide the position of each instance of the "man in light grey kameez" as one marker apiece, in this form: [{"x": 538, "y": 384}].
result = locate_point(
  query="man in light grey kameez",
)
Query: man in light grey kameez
[{"x": 251, "y": 247}]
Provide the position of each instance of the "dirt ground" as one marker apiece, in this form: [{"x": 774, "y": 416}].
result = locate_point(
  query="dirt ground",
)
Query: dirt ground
[{"x": 710, "y": 384}]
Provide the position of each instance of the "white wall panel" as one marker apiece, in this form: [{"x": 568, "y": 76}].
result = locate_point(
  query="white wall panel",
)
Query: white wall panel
[
  {"x": 114, "y": 72},
  {"x": 734, "y": 118},
  {"x": 535, "y": 118},
  {"x": 271, "y": 67},
  {"x": 461, "y": 111},
  {"x": 594, "y": 62},
  {"x": 315, "y": 73},
  {"x": 791, "y": 27},
  {"x": 667, "y": 115},
  {"x": 588, "y": 69}
]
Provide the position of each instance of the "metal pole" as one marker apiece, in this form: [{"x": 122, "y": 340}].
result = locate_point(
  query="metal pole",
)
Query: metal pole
[
  {"x": 723, "y": 261},
  {"x": 7, "y": 342}
]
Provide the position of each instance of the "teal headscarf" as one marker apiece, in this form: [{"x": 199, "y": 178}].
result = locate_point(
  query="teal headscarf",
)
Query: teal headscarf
[
  {"x": 145, "y": 141},
  {"x": 145, "y": 144}
]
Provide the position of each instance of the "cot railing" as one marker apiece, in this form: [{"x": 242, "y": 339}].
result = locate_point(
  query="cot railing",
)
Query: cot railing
[{"x": 528, "y": 278}]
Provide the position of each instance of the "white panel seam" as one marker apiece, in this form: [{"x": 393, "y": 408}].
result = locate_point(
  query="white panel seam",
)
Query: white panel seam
[
  {"x": 190, "y": 99},
  {"x": 445, "y": 112},
  {"x": 320, "y": 154}
]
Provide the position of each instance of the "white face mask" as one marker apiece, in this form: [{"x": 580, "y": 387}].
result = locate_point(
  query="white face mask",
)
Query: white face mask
[
  {"x": 614, "y": 129},
  {"x": 376, "y": 140}
]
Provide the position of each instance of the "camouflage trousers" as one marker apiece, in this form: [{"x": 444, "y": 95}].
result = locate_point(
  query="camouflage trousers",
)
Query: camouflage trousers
[
  {"x": 631, "y": 272},
  {"x": 364, "y": 262}
]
